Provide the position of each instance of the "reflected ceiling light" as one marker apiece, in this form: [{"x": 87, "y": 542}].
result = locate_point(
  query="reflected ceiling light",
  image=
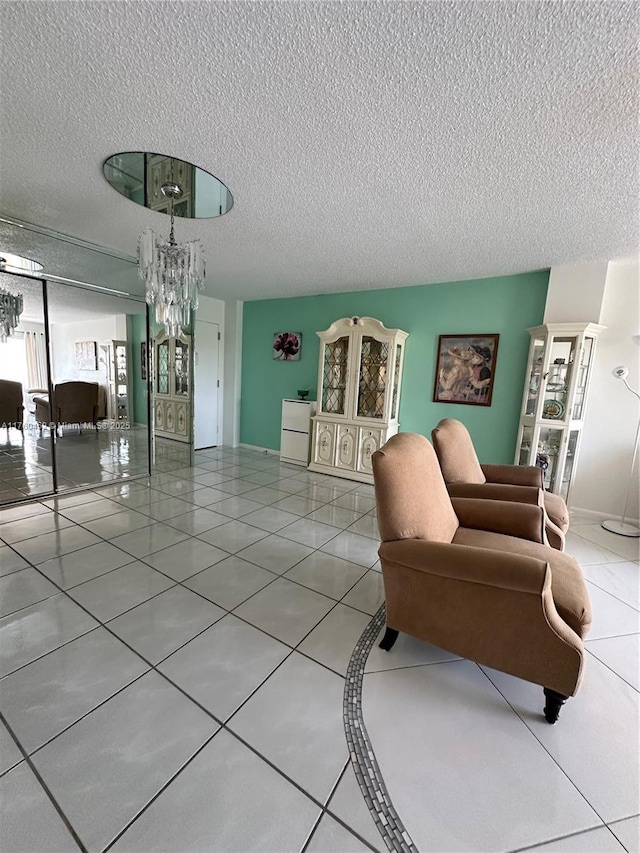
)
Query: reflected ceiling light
[
  {"x": 16, "y": 263},
  {"x": 11, "y": 307},
  {"x": 173, "y": 273}
]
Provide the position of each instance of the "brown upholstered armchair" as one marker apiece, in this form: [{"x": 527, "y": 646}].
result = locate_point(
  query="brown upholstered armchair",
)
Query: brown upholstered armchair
[
  {"x": 11, "y": 407},
  {"x": 75, "y": 403},
  {"x": 466, "y": 477},
  {"x": 472, "y": 577}
]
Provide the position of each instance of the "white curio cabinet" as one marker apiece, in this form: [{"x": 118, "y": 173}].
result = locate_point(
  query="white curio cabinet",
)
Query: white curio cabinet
[
  {"x": 115, "y": 358},
  {"x": 554, "y": 402},
  {"x": 359, "y": 379},
  {"x": 172, "y": 387}
]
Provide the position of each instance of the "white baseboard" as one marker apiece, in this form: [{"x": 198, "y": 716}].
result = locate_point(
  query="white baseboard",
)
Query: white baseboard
[
  {"x": 261, "y": 449},
  {"x": 598, "y": 516}
]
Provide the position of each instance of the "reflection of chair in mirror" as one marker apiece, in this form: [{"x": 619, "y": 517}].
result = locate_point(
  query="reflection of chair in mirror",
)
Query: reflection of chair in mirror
[
  {"x": 471, "y": 575},
  {"x": 467, "y": 478},
  {"x": 75, "y": 403},
  {"x": 11, "y": 407},
  {"x": 32, "y": 393}
]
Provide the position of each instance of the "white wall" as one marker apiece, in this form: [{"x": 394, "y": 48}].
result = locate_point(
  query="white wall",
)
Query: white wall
[
  {"x": 604, "y": 464},
  {"x": 228, "y": 315},
  {"x": 30, "y": 326},
  {"x": 575, "y": 293},
  {"x": 210, "y": 311},
  {"x": 63, "y": 340}
]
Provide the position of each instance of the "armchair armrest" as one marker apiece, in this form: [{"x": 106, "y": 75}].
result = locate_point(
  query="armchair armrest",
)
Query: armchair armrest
[
  {"x": 496, "y": 492},
  {"x": 466, "y": 563},
  {"x": 515, "y": 475},
  {"x": 524, "y": 521}
]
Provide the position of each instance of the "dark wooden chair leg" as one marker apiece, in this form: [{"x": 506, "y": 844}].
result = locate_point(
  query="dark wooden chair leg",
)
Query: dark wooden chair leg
[
  {"x": 390, "y": 636},
  {"x": 554, "y": 701}
]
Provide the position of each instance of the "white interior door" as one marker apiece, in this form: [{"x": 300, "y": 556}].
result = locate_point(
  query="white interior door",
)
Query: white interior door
[{"x": 206, "y": 386}]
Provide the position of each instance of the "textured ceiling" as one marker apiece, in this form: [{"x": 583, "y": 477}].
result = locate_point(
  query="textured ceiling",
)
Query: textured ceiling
[
  {"x": 65, "y": 303},
  {"x": 367, "y": 144}
]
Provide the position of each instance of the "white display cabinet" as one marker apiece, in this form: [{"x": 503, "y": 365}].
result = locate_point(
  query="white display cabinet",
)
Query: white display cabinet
[
  {"x": 114, "y": 355},
  {"x": 172, "y": 387},
  {"x": 295, "y": 434},
  {"x": 554, "y": 402},
  {"x": 359, "y": 381}
]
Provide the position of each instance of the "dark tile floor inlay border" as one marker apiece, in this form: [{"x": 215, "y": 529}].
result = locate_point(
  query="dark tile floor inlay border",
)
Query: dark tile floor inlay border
[{"x": 361, "y": 752}]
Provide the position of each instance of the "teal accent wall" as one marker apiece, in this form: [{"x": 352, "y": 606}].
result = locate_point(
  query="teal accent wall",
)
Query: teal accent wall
[
  {"x": 136, "y": 334},
  {"x": 507, "y": 305}
]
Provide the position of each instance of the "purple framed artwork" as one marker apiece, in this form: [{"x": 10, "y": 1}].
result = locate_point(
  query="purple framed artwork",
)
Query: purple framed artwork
[
  {"x": 465, "y": 369},
  {"x": 286, "y": 346}
]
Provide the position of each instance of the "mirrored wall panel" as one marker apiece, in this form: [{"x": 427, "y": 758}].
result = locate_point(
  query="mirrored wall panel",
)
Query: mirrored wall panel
[
  {"x": 98, "y": 409},
  {"x": 26, "y": 463},
  {"x": 89, "y": 393}
]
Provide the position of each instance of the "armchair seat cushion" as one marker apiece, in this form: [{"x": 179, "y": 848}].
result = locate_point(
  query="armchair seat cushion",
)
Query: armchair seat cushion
[{"x": 567, "y": 581}]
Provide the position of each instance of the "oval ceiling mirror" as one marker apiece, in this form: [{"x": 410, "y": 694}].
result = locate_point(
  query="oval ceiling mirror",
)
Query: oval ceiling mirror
[
  {"x": 140, "y": 177},
  {"x": 17, "y": 263}
]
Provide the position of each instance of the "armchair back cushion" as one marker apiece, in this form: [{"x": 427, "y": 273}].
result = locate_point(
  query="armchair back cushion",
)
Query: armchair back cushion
[
  {"x": 457, "y": 455},
  {"x": 408, "y": 467},
  {"x": 76, "y": 402},
  {"x": 10, "y": 402}
]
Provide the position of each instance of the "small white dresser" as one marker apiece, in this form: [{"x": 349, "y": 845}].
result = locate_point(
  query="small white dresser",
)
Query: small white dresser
[{"x": 295, "y": 435}]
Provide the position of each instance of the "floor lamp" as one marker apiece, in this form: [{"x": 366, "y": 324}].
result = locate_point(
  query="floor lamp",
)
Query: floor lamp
[{"x": 623, "y": 528}]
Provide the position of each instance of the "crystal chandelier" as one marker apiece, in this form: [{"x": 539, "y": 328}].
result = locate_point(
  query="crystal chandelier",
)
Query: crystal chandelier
[
  {"x": 10, "y": 310},
  {"x": 173, "y": 273}
]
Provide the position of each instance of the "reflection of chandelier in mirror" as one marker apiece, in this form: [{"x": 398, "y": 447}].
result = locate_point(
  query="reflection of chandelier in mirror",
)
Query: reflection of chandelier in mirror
[
  {"x": 173, "y": 273},
  {"x": 11, "y": 306}
]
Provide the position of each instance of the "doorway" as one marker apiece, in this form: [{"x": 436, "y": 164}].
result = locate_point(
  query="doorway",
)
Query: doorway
[{"x": 206, "y": 418}]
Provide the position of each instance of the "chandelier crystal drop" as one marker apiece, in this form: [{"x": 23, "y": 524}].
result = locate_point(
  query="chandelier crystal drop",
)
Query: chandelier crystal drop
[
  {"x": 173, "y": 273},
  {"x": 11, "y": 307}
]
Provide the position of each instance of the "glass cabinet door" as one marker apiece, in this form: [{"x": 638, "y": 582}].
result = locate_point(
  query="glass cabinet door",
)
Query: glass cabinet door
[
  {"x": 535, "y": 376},
  {"x": 526, "y": 440},
  {"x": 334, "y": 377},
  {"x": 548, "y": 456},
  {"x": 558, "y": 381},
  {"x": 120, "y": 369},
  {"x": 182, "y": 368},
  {"x": 396, "y": 381},
  {"x": 584, "y": 367},
  {"x": 372, "y": 381},
  {"x": 163, "y": 368}
]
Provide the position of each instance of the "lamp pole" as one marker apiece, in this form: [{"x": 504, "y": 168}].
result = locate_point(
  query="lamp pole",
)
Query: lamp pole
[{"x": 623, "y": 528}]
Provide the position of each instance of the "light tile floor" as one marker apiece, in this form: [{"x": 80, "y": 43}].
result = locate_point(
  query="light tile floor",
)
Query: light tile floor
[
  {"x": 83, "y": 457},
  {"x": 173, "y": 657}
]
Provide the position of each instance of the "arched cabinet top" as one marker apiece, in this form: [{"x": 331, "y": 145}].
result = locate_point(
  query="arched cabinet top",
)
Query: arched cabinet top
[{"x": 365, "y": 325}]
